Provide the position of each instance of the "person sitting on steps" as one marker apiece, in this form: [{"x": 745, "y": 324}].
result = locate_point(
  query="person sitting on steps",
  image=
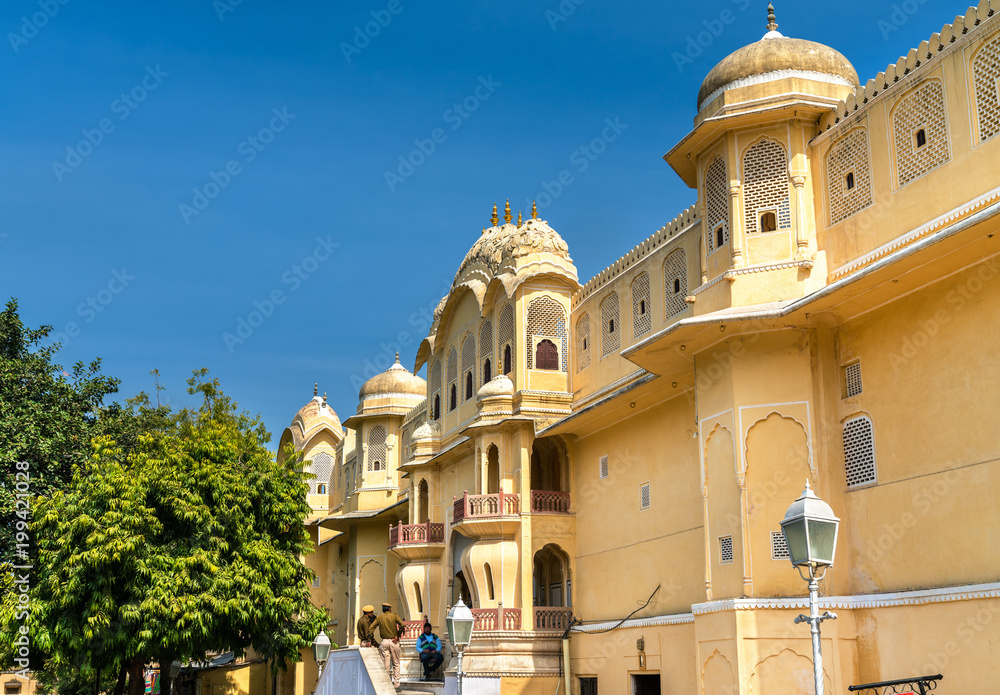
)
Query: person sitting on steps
[{"x": 429, "y": 648}]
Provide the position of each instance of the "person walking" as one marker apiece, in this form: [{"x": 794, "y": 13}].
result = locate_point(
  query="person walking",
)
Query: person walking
[
  {"x": 390, "y": 627},
  {"x": 366, "y": 626},
  {"x": 429, "y": 648}
]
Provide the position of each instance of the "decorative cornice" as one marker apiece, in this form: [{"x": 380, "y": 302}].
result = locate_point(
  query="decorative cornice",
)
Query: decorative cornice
[
  {"x": 917, "y": 233},
  {"x": 902, "y": 598},
  {"x": 772, "y": 77},
  {"x": 767, "y": 267}
]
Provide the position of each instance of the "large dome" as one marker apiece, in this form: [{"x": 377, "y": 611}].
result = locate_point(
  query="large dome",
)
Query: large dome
[
  {"x": 317, "y": 413},
  {"x": 776, "y": 56},
  {"x": 395, "y": 381},
  {"x": 501, "y": 244}
]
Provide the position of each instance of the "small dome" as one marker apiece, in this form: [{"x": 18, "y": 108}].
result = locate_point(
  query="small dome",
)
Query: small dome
[
  {"x": 397, "y": 380},
  {"x": 315, "y": 410},
  {"x": 427, "y": 431},
  {"x": 500, "y": 385},
  {"x": 501, "y": 244},
  {"x": 773, "y": 55}
]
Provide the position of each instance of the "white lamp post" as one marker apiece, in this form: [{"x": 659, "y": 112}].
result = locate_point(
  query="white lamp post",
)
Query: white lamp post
[
  {"x": 810, "y": 529},
  {"x": 321, "y": 652},
  {"x": 460, "y": 621}
]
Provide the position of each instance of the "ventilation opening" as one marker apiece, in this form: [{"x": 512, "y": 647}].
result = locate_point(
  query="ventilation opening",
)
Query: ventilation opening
[
  {"x": 859, "y": 452},
  {"x": 487, "y": 372},
  {"x": 768, "y": 221},
  {"x": 677, "y": 285},
  {"x": 316, "y": 583},
  {"x": 849, "y": 180},
  {"x": 852, "y": 380},
  {"x": 489, "y": 582},
  {"x": 779, "y": 548},
  {"x": 920, "y": 138},
  {"x": 642, "y": 307},
  {"x": 644, "y": 496},
  {"x": 604, "y": 467},
  {"x": 720, "y": 236},
  {"x": 584, "y": 343},
  {"x": 726, "y": 550},
  {"x": 611, "y": 326}
]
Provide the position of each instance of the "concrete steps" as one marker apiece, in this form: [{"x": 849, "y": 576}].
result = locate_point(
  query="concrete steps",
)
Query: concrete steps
[{"x": 421, "y": 688}]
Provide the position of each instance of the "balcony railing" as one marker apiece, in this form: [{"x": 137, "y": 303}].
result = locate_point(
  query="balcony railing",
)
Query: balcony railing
[
  {"x": 549, "y": 502},
  {"x": 412, "y": 629},
  {"x": 547, "y": 618},
  {"x": 468, "y": 507},
  {"x": 407, "y": 534},
  {"x": 496, "y": 619}
]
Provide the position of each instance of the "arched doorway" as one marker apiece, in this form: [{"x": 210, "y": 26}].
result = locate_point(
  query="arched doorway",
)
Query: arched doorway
[
  {"x": 461, "y": 590},
  {"x": 551, "y": 586},
  {"x": 492, "y": 470},
  {"x": 548, "y": 465},
  {"x": 423, "y": 497}
]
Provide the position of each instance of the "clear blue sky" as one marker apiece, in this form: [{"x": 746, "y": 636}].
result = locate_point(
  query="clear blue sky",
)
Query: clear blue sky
[{"x": 172, "y": 93}]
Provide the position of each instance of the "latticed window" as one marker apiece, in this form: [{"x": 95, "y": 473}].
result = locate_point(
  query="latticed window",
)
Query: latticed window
[
  {"x": 610, "y": 335},
  {"x": 583, "y": 341},
  {"x": 920, "y": 131},
  {"x": 717, "y": 203},
  {"x": 452, "y": 379},
  {"x": 848, "y": 176},
  {"x": 779, "y": 547},
  {"x": 859, "y": 451},
  {"x": 675, "y": 285},
  {"x": 547, "y": 319},
  {"x": 321, "y": 466},
  {"x": 376, "y": 448},
  {"x": 405, "y": 443},
  {"x": 436, "y": 389},
  {"x": 986, "y": 76},
  {"x": 603, "y": 467},
  {"x": 486, "y": 349},
  {"x": 642, "y": 319},
  {"x": 505, "y": 337},
  {"x": 765, "y": 186},
  {"x": 852, "y": 380},
  {"x": 468, "y": 363},
  {"x": 726, "y": 550},
  {"x": 644, "y": 496}
]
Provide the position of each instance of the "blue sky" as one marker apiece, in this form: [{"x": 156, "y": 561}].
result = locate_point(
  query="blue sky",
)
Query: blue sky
[{"x": 171, "y": 168}]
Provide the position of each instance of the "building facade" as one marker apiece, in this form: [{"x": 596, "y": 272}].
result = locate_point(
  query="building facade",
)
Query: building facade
[{"x": 608, "y": 463}]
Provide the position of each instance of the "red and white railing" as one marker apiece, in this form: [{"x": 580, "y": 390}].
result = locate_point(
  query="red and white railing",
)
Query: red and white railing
[
  {"x": 496, "y": 619},
  {"x": 548, "y": 618},
  {"x": 469, "y": 507},
  {"x": 407, "y": 534}
]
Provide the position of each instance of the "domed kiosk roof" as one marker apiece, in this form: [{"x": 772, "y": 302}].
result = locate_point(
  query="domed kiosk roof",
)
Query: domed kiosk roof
[
  {"x": 774, "y": 57},
  {"x": 395, "y": 381}
]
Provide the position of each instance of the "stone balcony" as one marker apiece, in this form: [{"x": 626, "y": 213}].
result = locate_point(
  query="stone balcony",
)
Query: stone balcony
[
  {"x": 417, "y": 541},
  {"x": 499, "y": 514}
]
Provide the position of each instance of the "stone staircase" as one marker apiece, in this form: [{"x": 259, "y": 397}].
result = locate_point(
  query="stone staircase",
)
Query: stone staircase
[{"x": 421, "y": 687}]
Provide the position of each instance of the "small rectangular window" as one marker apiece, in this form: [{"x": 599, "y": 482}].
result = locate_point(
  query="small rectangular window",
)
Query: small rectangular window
[
  {"x": 604, "y": 467},
  {"x": 321, "y": 489},
  {"x": 852, "y": 380},
  {"x": 768, "y": 221},
  {"x": 921, "y": 138},
  {"x": 779, "y": 548},
  {"x": 316, "y": 583},
  {"x": 644, "y": 496},
  {"x": 588, "y": 686},
  {"x": 849, "y": 180},
  {"x": 859, "y": 451},
  {"x": 726, "y": 550}
]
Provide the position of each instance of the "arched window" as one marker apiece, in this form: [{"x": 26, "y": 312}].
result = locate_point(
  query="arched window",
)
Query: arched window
[
  {"x": 486, "y": 348},
  {"x": 583, "y": 341},
  {"x": 492, "y": 470},
  {"x": 419, "y": 599},
  {"x": 376, "y": 448},
  {"x": 675, "y": 285},
  {"x": 505, "y": 337},
  {"x": 490, "y": 593},
  {"x": 642, "y": 321},
  {"x": 435, "y": 386},
  {"x": 611, "y": 338},
  {"x": 468, "y": 385},
  {"x": 547, "y": 319},
  {"x": 487, "y": 371},
  {"x": 321, "y": 488},
  {"x": 985, "y": 73},
  {"x": 717, "y": 203},
  {"x": 920, "y": 132},
  {"x": 507, "y": 360},
  {"x": 320, "y": 466},
  {"x": 546, "y": 355},
  {"x": 437, "y": 406},
  {"x": 765, "y": 186},
  {"x": 468, "y": 364},
  {"x": 423, "y": 508}
]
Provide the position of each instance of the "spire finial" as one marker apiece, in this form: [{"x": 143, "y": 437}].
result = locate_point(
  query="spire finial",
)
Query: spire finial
[
  {"x": 315, "y": 389},
  {"x": 494, "y": 219},
  {"x": 772, "y": 21},
  {"x": 506, "y": 212},
  {"x": 518, "y": 218},
  {"x": 534, "y": 210},
  {"x": 397, "y": 356},
  {"x": 324, "y": 398}
]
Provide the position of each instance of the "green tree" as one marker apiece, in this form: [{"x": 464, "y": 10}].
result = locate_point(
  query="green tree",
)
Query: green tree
[
  {"x": 188, "y": 542},
  {"x": 47, "y": 416}
]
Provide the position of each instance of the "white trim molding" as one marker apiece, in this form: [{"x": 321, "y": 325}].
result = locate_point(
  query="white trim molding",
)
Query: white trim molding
[{"x": 674, "y": 619}]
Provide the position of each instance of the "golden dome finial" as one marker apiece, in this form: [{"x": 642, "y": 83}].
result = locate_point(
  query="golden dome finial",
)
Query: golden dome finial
[
  {"x": 772, "y": 21},
  {"x": 534, "y": 210},
  {"x": 397, "y": 356},
  {"x": 506, "y": 212},
  {"x": 518, "y": 218},
  {"x": 324, "y": 398},
  {"x": 315, "y": 389},
  {"x": 494, "y": 219}
]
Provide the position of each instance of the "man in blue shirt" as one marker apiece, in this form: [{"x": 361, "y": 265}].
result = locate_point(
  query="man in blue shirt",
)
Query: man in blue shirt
[{"x": 429, "y": 648}]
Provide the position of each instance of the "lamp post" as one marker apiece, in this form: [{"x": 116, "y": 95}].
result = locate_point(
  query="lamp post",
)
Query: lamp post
[
  {"x": 460, "y": 621},
  {"x": 321, "y": 652},
  {"x": 810, "y": 529}
]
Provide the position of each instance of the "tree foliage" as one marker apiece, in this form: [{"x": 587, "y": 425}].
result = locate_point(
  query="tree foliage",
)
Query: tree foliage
[{"x": 187, "y": 540}]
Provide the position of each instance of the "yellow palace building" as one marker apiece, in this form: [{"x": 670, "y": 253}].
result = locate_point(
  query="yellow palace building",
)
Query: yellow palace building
[{"x": 620, "y": 453}]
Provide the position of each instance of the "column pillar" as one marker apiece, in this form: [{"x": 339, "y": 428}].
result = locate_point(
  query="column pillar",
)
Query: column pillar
[
  {"x": 801, "y": 242},
  {"x": 737, "y": 239}
]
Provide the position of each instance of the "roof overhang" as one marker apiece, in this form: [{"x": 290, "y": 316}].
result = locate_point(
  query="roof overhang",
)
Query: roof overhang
[{"x": 345, "y": 522}]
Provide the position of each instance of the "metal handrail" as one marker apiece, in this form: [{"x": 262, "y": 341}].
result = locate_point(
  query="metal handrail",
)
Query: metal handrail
[{"x": 924, "y": 683}]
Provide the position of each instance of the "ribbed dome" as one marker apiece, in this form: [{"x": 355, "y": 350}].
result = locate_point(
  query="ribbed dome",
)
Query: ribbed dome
[
  {"x": 776, "y": 54},
  {"x": 317, "y": 409},
  {"x": 395, "y": 381},
  {"x": 507, "y": 242}
]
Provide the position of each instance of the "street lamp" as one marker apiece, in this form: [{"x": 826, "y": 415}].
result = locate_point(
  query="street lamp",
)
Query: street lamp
[
  {"x": 321, "y": 652},
  {"x": 460, "y": 621},
  {"x": 810, "y": 529}
]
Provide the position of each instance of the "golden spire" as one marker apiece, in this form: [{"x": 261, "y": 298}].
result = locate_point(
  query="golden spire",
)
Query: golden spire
[
  {"x": 772, "y": 21},
  {"x": 534, "y": 210},
  {"x": 518, "y": 218},
  {"x": 494, "y": 219},
  {"x": 506, "y": 212},
  {"x": 315, "y": 389}
]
